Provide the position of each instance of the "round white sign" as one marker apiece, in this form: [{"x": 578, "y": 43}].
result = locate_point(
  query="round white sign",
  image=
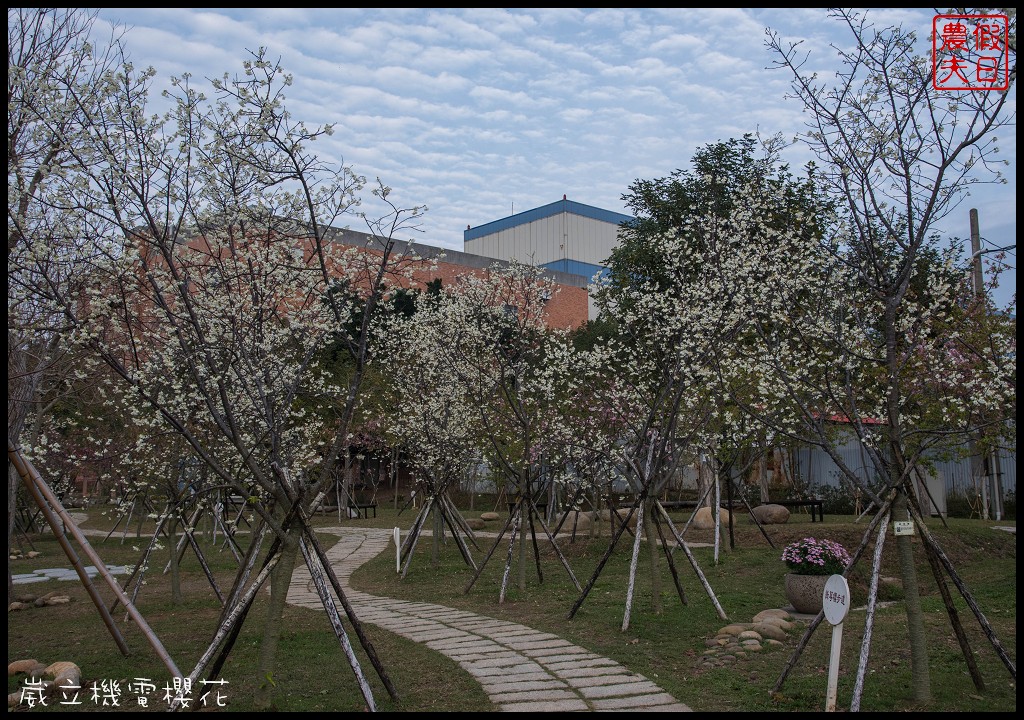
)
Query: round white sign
[{"x": 835, "y": 599}]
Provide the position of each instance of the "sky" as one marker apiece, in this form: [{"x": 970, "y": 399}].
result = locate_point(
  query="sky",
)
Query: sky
[{"x": 480, "y": 113}]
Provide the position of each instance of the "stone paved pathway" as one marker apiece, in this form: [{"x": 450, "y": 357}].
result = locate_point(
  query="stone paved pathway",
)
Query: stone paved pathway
[{"x": 520, "y": 668}]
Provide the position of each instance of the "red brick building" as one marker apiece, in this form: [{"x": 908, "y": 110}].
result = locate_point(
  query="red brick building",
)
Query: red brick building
[{"x": 566, "y": 309}]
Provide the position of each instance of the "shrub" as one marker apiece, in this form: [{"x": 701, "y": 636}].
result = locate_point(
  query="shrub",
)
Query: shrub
[{"x": 811, "y": 556}]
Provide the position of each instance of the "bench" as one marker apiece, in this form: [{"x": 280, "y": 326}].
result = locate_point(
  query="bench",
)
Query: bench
[
  {"x": 362, "y": 509},
  {"x": 541, "y": 505},
  {"x": 677, "y": 504},
  {"x": 817, "y": 507}
]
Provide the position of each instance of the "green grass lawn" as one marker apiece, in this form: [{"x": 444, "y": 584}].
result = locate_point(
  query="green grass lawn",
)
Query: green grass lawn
[{"x": 313, "y": 674}]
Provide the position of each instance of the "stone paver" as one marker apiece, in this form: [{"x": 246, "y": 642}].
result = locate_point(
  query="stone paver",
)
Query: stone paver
[{"x": 521, "y": 669}]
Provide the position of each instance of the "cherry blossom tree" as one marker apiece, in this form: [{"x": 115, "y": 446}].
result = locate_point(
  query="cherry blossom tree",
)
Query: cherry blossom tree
[
  {"x": 215, "y": 283},
  {"x": 431, "y": 413},
  {"x": 898, "y": 156},
  {"x": 496, "y": 375},
  {"x": 53, "y": 68},
  {"x": 674, "y": 331}
]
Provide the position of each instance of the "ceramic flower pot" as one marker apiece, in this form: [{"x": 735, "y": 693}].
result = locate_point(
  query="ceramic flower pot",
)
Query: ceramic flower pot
[{"x": 804, "y": 592}]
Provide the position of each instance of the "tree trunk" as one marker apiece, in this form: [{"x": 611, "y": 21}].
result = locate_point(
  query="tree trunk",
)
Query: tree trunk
[
  {"x": 435, "y": 550},
  {"x": 13, "y": 483},
  {"x": 762, "y": 477},
  {"x": 652, "y": 545},
  {"x": 978, "y": 480},
  {"x": 921, "y": 677},
  {"x": 172, "y": 542},
  {"x": 524, "y": 525},
  {"x": 279, "y": 582},
  {"x": 23, "y": 391},
  {"x": 923, "y": 498},
  {"x": 704, "y": 481}
]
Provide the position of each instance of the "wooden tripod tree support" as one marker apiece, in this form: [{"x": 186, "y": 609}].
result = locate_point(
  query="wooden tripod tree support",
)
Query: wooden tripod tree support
[
  {"x": 941, "y": 558},
  {"x": 371, "y": 653},
  {"x": 44, "y": 497},
  {"x": 794, "y": 658},
  {"x": 190, "y": 522},
  {"x": 643, "y": 494},
  {"x": 438, "y": 502},
  {"x": 579, "y": 492},
  {"x": 869, "y": 621},
  {"x": 938, "y": 561},
  {"x": 316, "y": 572},
  {"x": 187, "y": 536},
  {"x": 325, "y": 580},
  {"x": 526, "y": 505}
]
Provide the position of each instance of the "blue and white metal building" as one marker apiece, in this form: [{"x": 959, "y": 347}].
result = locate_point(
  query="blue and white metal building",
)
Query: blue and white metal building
[{"x": 565, "y": 236}]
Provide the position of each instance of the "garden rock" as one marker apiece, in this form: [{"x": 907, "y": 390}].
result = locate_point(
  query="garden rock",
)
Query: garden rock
[
  {"x": 52, "y": 598},
  {"x": 33, "y": 668},
  {"x": 489, "y": 516},
  {"x": 734, "y": 641},
  {"x": 777, "y": 622},
  {"x": 15, "y": 606},
  {"x": 475, "y": 523},
  {"x": 64, "y": 674},
  {"x": 580, "y": 520},
  {"x": 771, "y": 514},
  {"x": 623, "y": 513},
  {"x": 772, "y": 631},
  {"x": 705, "y": 518},
  {"x": 772, "y": 613}
]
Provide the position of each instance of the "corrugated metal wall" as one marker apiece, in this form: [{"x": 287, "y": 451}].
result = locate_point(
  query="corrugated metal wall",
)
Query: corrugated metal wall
[
  {"x": 563, "y": 236},
  {"x": 815, "y": 467}
]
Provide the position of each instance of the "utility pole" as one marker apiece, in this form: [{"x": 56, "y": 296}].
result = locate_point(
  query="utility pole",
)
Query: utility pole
[
  {"x": 977, "y": 462},
  {"x": 979, "y": 283}
]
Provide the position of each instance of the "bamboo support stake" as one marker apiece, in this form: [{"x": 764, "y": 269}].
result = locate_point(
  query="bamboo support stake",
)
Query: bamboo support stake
[
  {"x": 633, "y": 563},
  {"x": 206, "y": 568},
  {"x": 508, "y": 562},
  {"x": 600, "y": 566},
  {"x": 350, "y": 612},
  {"x": 413, "y": 540},
  {"x": 668, "y": 557},
  {"x": 140, "y": 567},
  {"x": 531, "y": 511},
  {"x": 497, "y": 542},
  {"x": 414, "y": 535},
  {"x": 962, "y": 587},
  {"x": 456, "y": 536},
  {"x": 245, "y": 569},
  {"x": 558, "y": 552},
  {"x": 869, "y": 621},
  {"x": 693, "y": 563},
  {"x": 461, "y": 521},
  {"x": 718, "y": 515},
  {"x": 31, "y": 477},
  {"x": 791, "y": 663},
  {"x": 76, "y": 563},
  {"x": 229, "y": 622},
  {"x": 316, "y": 573}
]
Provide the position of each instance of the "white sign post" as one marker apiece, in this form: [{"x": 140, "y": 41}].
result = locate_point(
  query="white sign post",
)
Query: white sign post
[
  {"x": 836, "y": 604},
  {"x": 398, "y": 551}
]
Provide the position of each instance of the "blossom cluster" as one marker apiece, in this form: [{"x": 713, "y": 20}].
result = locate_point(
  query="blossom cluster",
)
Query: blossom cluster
[{"x": 811, "y": 556}]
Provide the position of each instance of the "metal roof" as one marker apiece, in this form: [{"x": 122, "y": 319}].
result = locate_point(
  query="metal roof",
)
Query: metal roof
[{"x": 555, "y": 208}]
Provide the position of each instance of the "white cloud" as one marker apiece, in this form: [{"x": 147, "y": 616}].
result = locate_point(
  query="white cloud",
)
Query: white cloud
[{"x": 469, "y": 110}]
